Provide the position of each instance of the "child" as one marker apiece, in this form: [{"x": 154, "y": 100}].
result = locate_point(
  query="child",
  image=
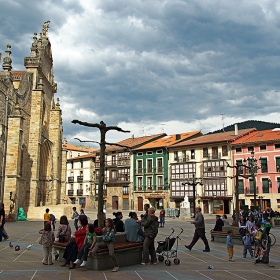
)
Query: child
[
  {"x": 47, "y": 240},
  {"x": 267, "y": 226},
  {"x": 75, "y": 216},
  {"x": 53, "y": 219},
  {"x": 247, "y": 243},
  {"x": 47, "y": 216},
  {"x": 229, "y": 244},
  {"x": 89, "y": 243},
  {"x": 108, "y": 242}
]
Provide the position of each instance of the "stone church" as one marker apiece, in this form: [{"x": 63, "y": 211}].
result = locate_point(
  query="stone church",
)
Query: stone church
[{"x": 31, "y": 149}]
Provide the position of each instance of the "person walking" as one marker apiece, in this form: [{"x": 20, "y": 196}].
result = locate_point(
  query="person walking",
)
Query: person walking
[
  {"x": 2, "y": 220},
  {"x": 272, "y": 217},
  {"x": 229, "y": 244},
  {"x": 47, "y": 240},
  {"x": 75, "y": 216},
  {"x": 162, "y": 217},
  {"x": 199, "y": 231}
]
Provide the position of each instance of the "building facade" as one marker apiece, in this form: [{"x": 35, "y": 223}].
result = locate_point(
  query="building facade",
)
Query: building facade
[{"x": 31, "y": 130}]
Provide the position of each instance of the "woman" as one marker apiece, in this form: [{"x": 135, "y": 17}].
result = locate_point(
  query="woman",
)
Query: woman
[
  {"x": 76, "y": 242},
  {"x": 63, "y": 230},
  {"x": 119, "y": 226},
  {"x": 108, "y": 242},
  {"x": 133, "y": 230},
  {"x": 225, "y": 220},
  {"x": 250, "y": 224}
]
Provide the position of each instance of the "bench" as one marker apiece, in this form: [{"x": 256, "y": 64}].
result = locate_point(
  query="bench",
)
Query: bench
[
  {"x": 127, "y": 253},
  {"x": 221, "y": 237}
]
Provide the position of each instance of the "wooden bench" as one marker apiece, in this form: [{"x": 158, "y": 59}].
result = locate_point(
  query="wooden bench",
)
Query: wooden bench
[
  {"x": 221, "y": 237},
  {"x": 127, "y": 253}
]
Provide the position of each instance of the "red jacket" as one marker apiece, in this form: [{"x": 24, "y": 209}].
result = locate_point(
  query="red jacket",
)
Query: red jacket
[{"x": 80, "y": 236}]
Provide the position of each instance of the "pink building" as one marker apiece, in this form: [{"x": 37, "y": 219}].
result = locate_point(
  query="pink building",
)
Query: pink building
[{"x": 263, "y": 149}]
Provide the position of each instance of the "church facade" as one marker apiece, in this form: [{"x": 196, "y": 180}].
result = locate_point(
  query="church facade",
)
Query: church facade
[{"x": 31, "y": 130}]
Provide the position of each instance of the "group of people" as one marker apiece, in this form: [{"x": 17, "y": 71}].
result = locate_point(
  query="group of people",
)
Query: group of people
[{"x": 82, "y": 242}]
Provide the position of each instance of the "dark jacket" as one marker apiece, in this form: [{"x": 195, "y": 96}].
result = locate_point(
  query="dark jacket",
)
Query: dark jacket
[
  {"x": 119, "y": 226},
  {"x": 219, "y": 225},
  {"x": 150, "y": 226}
]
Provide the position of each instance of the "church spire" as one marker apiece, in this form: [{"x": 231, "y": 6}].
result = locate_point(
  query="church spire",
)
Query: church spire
[{"x": 7, "y": 61}]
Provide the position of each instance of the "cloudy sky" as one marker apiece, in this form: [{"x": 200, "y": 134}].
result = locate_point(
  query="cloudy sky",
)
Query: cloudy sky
[{"x": 154, "y": 66}]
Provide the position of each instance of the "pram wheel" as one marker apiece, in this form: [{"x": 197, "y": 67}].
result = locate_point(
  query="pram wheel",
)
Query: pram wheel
[
  {"x": 160, "y": 258},
  {"x": 176, "y": 261},
  {"x": 167, "y": 262}
]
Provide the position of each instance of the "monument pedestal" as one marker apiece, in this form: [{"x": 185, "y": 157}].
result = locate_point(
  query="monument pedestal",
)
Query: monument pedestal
[{"x": 185, "y": 209}]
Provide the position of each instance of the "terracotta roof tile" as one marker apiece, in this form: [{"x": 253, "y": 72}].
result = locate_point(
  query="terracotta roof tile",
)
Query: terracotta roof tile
[
  {"x": 134, "y": 142},
  {"x": 71, "y": 147},
  {"x": 214, "y": 138},
  {"x": 259, "y": 136},
  {"x": 169, "y": 140},
  {"x": 17, "y": 74},
  {"x": 91, "y": 155}
]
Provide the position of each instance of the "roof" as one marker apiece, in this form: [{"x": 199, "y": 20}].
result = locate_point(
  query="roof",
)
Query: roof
[
  {"x": 259, "y": 136},
  {"x": 17, "y": 74},
  {"x": 84, "y": 149},
  {"x": 91, "y": 155},
  {"x": 215, "y": 138},
  {"x": 134, "y": 142},
  {"x": 169, "y": 140}
]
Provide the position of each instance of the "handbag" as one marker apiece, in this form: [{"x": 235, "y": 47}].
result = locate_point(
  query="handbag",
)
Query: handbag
[
  {"x": 109, "y": 236},
  {"x": 61, "y": 237}
]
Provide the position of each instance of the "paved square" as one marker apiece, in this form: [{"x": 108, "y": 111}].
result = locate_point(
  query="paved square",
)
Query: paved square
[{"x": 27, "y": 264}]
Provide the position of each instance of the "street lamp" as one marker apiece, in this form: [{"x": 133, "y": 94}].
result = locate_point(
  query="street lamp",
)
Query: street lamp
[
  {"x": 193, "y": 182},
  {"x": 260, "y": 201},
  {"x": 253, "y": 167}
]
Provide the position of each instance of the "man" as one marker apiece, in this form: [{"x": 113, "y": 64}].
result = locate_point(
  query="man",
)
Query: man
[
  {"x": 199, "y": 231},
  {"x": 272, "y": 216},
  {"x": 218, "y": 226}
]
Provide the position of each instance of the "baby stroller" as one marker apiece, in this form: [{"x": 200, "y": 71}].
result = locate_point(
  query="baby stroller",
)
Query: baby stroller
[{"x": 164, "y": 249}]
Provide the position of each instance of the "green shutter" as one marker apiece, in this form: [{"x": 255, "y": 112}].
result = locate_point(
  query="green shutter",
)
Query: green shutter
[
  {"x": 265, "y": 186},
  {"x": 240, "y": 186},
  {"x": 251, "y": 186}
]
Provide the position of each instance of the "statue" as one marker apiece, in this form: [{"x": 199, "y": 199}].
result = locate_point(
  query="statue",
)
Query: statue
[
  {"x": 185, "y": 209},
  {"x": 45, "y": 28},
  {"x": 21, "y": 216}
]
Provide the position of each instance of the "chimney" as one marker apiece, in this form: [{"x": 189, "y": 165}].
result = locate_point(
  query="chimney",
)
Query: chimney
[{"x": 236, "y": 129}]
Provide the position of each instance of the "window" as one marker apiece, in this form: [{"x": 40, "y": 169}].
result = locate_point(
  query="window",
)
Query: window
[
  {"x": 81, "y": 186},
  {"x": 71, "y": 187},
  {"x": 114, "y": 174},
  {"x": 224, "y": 151},
  {"x": 265, "y": 187},
  {"x": 72, "y": 164},
  {"x": 159, "y": 151},
  {"x": 215, "y": 168},
  {"x": 216, "y": 187},
  {"x": 262, "y": 147},
  {"x": 276, "y": 146},
  {"x": 205, "y": 152},
  {"x": 214, "y": 152},
  {"x": 125, "y": 190},
  {"x": 277, "y": 164},
  {"x": 238, "y": 150},
  {"x": 139, "y": 166},
  {"x": 82, "y": 164},
  {"x": 192, "y": 154},
  {"x": 149, "y": 153},
  {"x": 176, "y": 155},
  {"x": 149, "y": 165},
  {"x": 114, "y": 161},
  {"x": 240, "y": 186},
  {"x": 139, "y": 183},
  {"x": 251, "y": 149},
  {"x": 184, "y": 156},
  {"x": 139, "y": 154},
  {"x": 240, "y": 167},
  {"x": 149, "y": 183},
  {"x": 264, "y": 165},
  {"x": 251, "y": 190},
  {"x": 160, "y": 182},
  {"x": 159, "y": 165},
  {"x": 124, "y": 174}
]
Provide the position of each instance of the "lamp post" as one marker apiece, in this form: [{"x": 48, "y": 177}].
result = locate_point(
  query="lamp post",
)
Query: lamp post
[
  {"x": 260, "y": 201},
  {"x": 253, "y": 167},
  {"x": 193, "y": 182}
]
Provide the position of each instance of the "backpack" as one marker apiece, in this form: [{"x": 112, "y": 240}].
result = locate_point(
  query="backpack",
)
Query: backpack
[{"x": 52, "y": 217}]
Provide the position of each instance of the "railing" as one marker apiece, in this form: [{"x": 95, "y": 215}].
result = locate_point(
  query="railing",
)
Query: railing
[
  {"x": 124, "y": 162},
  {"x": 80, "y": 192},
  {"x": 71, "y": 179},
  {"x": 249, "y": 191},
  {"x": 80, "y": 179},
  {"x": 160, "y": 187},
  {"x": 150, "y": 170},
  {"x": 139, "y": 188},
  {"x": 139, "y": 171},
  {"x": 70, "y": 192},
  {"x": 125, "y": 192},
  {"x": 150, "y": 188},
  {"x": 160, "y": 169}
]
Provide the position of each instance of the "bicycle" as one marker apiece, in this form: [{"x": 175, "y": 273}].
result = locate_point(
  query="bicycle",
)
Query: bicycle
[{"x": 272, "y": 239}]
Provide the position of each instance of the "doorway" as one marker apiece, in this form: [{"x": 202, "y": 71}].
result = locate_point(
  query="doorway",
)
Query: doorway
[
  {"x": 140, "y": 203},
  {"x": 205, "y": 207},
  {"x": 115, "y": 202}
]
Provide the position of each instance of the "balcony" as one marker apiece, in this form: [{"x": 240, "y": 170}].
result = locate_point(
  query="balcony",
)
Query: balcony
[
  {"x": 150, "y": 170},
  {"x": 149, "y": 188},
  {"x": 124, "y": 162},
  {"x": 139, "y": 188},
  {"x": 70, "y": 192},
  {"x": 71, "y": 179},
  {"x": 80, "y": 179},
  {"x": 250, "y": 191},
  {"x": 160, "y": 169},
  {"x": 80, "y": 192},
  {"x": 139, "y": 171},
  {"x": 160, "y": 187}
]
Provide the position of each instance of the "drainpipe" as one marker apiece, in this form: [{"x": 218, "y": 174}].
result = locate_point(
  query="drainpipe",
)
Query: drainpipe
[{"x": 4, "y": 152}]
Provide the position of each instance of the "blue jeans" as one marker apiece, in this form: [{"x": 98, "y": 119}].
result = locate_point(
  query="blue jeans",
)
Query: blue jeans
[
  {"x": 249, "y": 248},
  {"x": 84, "y": 250},
  {"x": 76, "y": 224}
]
